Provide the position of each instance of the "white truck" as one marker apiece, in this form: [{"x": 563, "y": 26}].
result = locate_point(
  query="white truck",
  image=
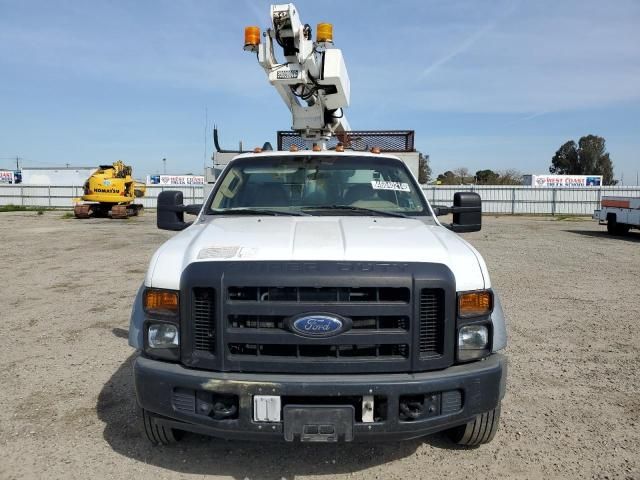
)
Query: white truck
[
  {"x": 316, "y": 297},
  {"x": 619, "y": 214}
]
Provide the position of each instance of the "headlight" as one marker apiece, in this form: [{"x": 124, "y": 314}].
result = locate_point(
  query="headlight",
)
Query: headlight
[
  {"x": 163, "y": 335},
  {"x": 162, "y": 340},
  {"x": 475, "y": 304},
  {"x": 473, "y": 342}
]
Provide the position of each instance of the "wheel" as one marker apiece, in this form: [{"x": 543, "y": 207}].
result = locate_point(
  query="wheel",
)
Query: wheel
[
  {"x": 615, "y": 228},
  {"x": 477, "y": 432},
  {"x": 155, "y": 432}
]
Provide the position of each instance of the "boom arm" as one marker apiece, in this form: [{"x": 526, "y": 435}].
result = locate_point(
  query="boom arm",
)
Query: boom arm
[{"x": 312, "y": 81}]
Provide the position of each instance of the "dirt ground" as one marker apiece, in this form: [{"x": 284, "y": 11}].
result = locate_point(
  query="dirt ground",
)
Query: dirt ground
[{"x": 572, "y": 408}]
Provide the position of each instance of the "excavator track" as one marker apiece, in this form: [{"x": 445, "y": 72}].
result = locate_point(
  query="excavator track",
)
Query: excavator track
[
  {"x": 119, "y": 211},
  {"x": 134, "y": 209},
  {"x": 82, "y": 211}
]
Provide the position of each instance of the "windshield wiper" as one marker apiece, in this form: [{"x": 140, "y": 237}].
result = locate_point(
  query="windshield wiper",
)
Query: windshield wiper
[
  {"x": 351, "y": 208},
  {"x": 254, "y": 211}
]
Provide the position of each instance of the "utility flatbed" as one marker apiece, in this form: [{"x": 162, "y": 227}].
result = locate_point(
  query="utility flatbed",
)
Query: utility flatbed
[{"x": 619, "y": 214}]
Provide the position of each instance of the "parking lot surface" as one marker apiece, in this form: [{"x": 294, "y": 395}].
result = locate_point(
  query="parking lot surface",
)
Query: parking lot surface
[{"x": 572, "y": 410}]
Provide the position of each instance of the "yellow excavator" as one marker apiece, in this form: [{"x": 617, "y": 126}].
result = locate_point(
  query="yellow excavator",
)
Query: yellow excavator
[{"x": 111, "y": 191}]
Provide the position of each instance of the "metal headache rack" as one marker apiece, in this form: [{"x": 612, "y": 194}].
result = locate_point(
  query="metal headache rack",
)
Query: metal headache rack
[{"x": 358, "y": 140}]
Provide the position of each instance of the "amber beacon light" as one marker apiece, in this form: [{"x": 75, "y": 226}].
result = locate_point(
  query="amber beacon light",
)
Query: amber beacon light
[
  {"x": 251, "y": 38},
  {"x": 324, "y": 32}
]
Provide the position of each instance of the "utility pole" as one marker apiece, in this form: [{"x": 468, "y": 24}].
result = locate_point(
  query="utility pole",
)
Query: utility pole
[
  {"x": 17, "y": 163},
  {"x": 164, "y": 165}
]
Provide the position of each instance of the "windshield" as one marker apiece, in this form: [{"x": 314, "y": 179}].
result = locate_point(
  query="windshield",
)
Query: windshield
[{"x": 318, "y": 185}]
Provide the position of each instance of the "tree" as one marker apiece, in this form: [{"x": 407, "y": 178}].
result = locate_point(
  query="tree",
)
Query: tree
[
  {"x": 462, "y": 173},
  {"x": 510, "y": 176},
  {"x": 486, "y": 177},
  {"x": 595, "y": 158},
  {"x": 588, "y": 157},
  {"x": 565, "y": 161},
  {"x": 459, "y": 176},
  {"x": 424, "y": 169},
  {"x": 447, "y": 178}
]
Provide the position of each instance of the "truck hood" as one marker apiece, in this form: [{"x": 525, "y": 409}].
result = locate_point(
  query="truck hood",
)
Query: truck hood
[{"x": 348, "y": 238}]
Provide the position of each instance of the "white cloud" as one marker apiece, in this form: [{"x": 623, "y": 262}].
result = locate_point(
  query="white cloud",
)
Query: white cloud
[
  {"x": 120, "y": 46},
  {"x": 541, "y": 57}
]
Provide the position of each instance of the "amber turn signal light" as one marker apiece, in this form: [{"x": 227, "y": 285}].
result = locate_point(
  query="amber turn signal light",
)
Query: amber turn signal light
[
  {"x": 157, "y": 300},
  {"x": 475, "y": 304}
]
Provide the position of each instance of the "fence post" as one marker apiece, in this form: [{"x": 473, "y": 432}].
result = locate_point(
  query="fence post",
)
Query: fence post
[
  {"x": 49, "y": 196},
  {"x": 21, "y": 195},
  {"x": 553, "y": 203},
  {"x": 513, "y": 201}
]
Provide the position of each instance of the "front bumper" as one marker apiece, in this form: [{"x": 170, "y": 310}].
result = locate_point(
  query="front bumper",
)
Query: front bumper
[
  {"x": 596, "y": 215},
  {"x": 481, "y": 386}
]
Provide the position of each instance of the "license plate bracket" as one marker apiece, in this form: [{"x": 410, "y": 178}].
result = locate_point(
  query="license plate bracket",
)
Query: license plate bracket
[{"x": 318, "y": 423}]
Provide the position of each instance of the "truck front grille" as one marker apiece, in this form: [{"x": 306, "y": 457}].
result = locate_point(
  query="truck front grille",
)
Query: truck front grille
[
  {"x": 431, "y": 322},
  {"x": 319, "y": 294},
  {"x": 238, "y": 317},
  {"x": 320, "y": 351},
  {"x": 203, "y": 316},
  {"x": 278, "y": 322}
]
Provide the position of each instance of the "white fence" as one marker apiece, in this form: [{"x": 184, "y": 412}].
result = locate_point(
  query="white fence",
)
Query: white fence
[
  {"x": 64, "y": 197},
  {"x": 521, "y": 200},
  {"x": 495, "y": 199}
]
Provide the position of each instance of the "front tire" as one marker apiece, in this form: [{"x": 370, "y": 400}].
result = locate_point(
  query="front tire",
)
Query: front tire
[
  {"x": 477, "y": 432},
  {"x": 156, "y": 433}
]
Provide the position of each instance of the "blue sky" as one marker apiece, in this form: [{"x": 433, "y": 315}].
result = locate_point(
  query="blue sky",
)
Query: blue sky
[{"x": 498, "y": 84}]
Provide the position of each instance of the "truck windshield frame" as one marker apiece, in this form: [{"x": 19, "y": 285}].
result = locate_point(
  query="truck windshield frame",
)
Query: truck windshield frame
[{"x": 318, "y": 185}]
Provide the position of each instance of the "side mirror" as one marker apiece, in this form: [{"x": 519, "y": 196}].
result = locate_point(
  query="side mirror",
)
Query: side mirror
[
  {"x": 171, "y": 211},
  {"x": 467, "y": 212}
]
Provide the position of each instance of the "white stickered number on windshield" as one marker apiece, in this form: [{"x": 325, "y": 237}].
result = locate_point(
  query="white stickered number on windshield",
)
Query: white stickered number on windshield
[{"x": 399, "y": 186}]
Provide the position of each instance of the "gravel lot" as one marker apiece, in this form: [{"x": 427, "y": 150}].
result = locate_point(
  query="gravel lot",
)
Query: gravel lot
[{"x": 572, "y": 409}]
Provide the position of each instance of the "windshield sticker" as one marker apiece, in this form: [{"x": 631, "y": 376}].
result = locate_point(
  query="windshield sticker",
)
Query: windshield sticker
[{"x": 398, "y": 186}]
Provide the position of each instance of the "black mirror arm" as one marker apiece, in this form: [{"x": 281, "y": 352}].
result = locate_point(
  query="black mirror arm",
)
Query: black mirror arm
[
  {"x": 193, "y": 209},
  {"x": 440, "y": 210},
  {"x": 177, "y": 226}
]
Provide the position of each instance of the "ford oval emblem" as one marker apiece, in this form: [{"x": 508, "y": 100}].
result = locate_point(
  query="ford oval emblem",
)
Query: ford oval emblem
[{"x": 319, "y": 325}]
